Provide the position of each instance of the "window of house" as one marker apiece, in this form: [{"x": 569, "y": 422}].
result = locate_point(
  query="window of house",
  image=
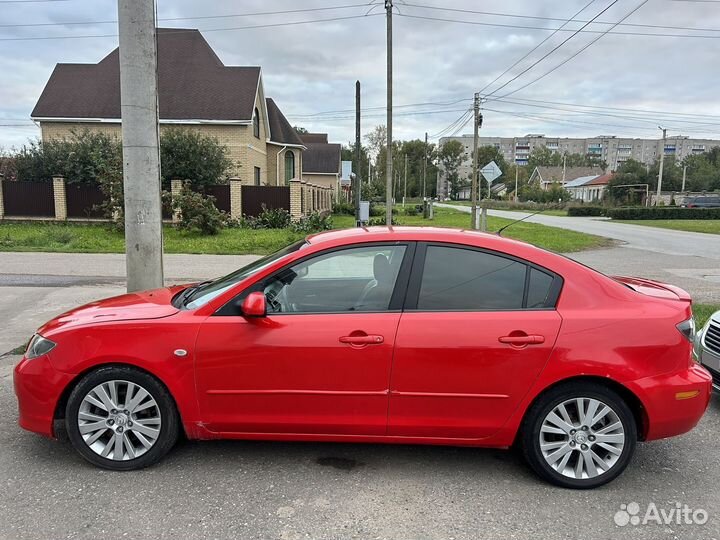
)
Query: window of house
[
  {"x": 256, "y": 123},
  {"x": 289, "y": 165},
  {"x": 257, "y": 176}
]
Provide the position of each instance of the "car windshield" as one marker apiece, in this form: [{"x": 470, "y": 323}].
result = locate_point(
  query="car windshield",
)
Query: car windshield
[{"x": 200, "y": 295}]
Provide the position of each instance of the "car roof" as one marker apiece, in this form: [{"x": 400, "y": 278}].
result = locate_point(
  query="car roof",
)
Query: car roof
[{"x": 427, "y": 234}]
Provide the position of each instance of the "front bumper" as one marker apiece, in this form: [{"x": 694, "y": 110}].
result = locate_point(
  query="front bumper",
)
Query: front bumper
[
  {"x": 674, "y": 402},
  {"x": 38, "y": 387}
]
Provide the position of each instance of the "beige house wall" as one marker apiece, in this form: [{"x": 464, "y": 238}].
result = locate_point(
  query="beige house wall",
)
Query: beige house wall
[{"x": 276, "y": 171}]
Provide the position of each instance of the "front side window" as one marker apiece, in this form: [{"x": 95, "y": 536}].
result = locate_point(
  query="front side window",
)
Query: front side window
[
  {"x": 457, "y": 279},
  {"x": 195, "y": 297},
  {"x": 354, "y": 279},
  {"x": 257, "y": 176},
  {"x": 289, "y": 166}
]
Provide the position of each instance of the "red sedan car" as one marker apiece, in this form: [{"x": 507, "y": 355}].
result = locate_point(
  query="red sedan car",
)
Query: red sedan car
[{"x": 401, "y": 335}]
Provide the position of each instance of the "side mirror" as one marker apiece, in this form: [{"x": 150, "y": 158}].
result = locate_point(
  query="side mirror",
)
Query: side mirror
[{"x": 254, "y": 305}]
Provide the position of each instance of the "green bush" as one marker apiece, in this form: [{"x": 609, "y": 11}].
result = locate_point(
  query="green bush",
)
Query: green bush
[
  {"x": 666, "y": 212},
  {"x": 315, "y": 222},
  {"x": 582, "y": 211},
  {"x": 190, "y": 155},
  {"x": 198, "y": 212},
  {"x": 343, "y": 208}
]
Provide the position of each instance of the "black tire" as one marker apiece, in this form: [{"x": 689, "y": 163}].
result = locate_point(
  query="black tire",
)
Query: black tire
[
  {"x": 532, "y": 424},
  {"x": 169, "y": 427}
]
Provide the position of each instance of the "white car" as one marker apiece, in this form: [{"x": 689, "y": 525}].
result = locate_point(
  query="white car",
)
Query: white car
[{"x": 707, "y": 347}]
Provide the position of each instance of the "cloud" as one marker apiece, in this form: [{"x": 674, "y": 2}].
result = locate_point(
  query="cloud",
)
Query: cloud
[{"x": 311, "y": 68}]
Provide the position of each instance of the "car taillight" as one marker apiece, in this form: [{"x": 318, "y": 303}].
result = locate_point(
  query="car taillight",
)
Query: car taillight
[{"x": 687, "y": 329}]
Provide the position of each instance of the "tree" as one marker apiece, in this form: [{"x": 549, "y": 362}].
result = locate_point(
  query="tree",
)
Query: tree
[
  {"x": 630, "y": 172},
  {"x": 451, "y": 157},
  {"x": 81, "y": 157},
  {"x": 376, "y": 140},
  {"x": 190, "y": 155},
  {"x": 542, "y": 156}
]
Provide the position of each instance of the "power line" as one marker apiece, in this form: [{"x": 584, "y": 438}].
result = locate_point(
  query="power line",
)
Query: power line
[
  {"x": 202, "y": 17},
  {"x": 556, "y": 19},
  {"x": 427, "y": 103},
  {"x": 641, "y": 4},
  {"x": 611, "y": 4},
  {"x": 462, "y": 119},
  {"x": 269, "y": 25},
  {"x": 546, "y": 29},
  {"x": 535, "y": 48}
]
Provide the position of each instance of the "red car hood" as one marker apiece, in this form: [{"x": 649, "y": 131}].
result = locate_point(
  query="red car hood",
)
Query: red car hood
[
  {"x": 657, "y": 289},
  {"x": 153, "y": 304}
]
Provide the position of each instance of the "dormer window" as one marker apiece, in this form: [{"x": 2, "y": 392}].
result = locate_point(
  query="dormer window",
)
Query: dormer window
[{"x": 256, "y": 123}]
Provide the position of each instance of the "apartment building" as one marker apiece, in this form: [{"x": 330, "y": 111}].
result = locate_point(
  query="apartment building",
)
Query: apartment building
[{"x": 611, "y": 149}]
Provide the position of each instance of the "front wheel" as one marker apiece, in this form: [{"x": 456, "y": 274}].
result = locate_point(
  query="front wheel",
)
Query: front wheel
[
  {"x": 579, "y": 435},
  {"x": 121, "y": 419}
]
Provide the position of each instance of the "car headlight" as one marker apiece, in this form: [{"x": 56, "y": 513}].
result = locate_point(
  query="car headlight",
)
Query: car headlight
[{"x": 38, "y": 346}]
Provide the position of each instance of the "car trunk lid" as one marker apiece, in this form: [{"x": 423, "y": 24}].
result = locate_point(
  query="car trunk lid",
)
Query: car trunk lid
[{"x": 653, "y": 288}]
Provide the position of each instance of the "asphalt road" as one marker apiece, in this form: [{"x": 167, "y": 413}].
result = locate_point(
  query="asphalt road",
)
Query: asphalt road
[{"x": 234, "y": 489}]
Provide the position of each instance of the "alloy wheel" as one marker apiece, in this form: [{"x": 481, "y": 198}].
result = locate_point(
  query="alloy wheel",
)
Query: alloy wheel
[
  {"x": 582, "y": 438},
  {"x": 119, "y": 420}
]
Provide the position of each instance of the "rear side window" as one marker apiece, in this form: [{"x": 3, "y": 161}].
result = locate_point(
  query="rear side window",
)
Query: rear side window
[
  {"x": 463, "y": 279},
  {"x": 458, "y": 279},
  {"x": 539, "y": 286}
]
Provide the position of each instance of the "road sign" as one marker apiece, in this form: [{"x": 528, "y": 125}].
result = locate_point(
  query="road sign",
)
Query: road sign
[{"x": 490, "y": 172}]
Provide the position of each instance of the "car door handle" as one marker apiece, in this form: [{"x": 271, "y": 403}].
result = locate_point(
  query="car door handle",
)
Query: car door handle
[
  {"x": 522, "y": 340},
  {"x": 362, "y": 340}
]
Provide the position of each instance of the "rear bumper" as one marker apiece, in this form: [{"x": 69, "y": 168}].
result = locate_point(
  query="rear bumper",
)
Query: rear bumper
[
  {"x": 38, "y": 387},
  {"x": 674, "y": 403}
]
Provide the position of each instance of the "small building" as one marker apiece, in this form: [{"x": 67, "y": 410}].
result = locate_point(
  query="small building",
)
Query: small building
[
  {"x": 589, "y": 188},
  {"x": 321, "y": 161},
  {"x": 546, "y": 176}
]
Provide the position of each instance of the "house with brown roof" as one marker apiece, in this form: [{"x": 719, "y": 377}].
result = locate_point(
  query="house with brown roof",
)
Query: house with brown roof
[
  {"x": 561, "y": 175},
  {"x": 321, "y": 161},
  {"x": 589, "y": 188},
  {"x": 196, "y": 91}
]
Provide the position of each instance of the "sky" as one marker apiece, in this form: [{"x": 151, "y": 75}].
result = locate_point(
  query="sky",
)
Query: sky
[{"x": 626, "y": 83}]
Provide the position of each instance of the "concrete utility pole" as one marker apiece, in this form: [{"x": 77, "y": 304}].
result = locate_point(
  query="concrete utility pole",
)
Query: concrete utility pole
[
  {"x": 474, "y": 183},
  {"x": 662, "y": 162},
  {"x": 141, "y": 144},
  {"x": 358, "y": 178},
  {"x": 684, "y": 178},
  {"x": 425, "y": 167},
  {"x": 389, "y": 157}
]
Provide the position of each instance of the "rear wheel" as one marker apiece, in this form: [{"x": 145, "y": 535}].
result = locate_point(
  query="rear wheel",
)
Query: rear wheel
[
  {"x": 120, "y": 418},
  {"x": 579, "y": 435}
]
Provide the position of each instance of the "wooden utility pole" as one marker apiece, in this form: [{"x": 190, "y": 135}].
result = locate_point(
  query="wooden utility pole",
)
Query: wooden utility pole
[
  {"x": 389, "y": 157},
  {"x": 684, "y": 178},
  {"x": 516, "y": 182},
  {"x": 474, "y": 184},
  {"x": 358, "y": 179}
]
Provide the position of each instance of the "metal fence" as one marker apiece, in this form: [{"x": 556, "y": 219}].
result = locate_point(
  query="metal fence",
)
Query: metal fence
[
  {"x": 24, "y": 199},
  {"x": 221, "y": 192},
  {"x": 271, "y": 197},
  {"x": 83, "y": 200}
]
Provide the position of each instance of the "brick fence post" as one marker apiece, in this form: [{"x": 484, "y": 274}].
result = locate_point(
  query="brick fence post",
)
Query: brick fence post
[
  {"x": 304, "y": 205},
  {"x": 176, "y": 185},
  {"x": 235, "y": 197},
  {"x": 2, "y": 202},
  {"x": 296, "y": 198},
  {"x": 59, "y": 198}
]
